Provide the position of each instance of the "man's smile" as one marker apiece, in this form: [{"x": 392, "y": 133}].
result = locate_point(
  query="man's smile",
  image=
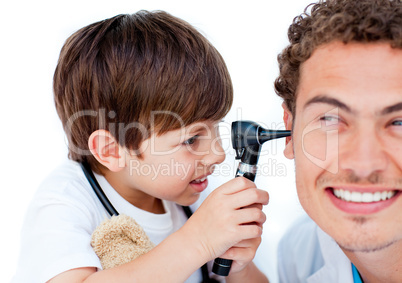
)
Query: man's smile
[
  {"x": 365, "y": 197},
  {"x": 361, "y": 202}
]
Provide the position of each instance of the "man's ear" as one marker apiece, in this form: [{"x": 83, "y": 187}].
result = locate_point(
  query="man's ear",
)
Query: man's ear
[
  {"x": 106, "y": 150},
  {"x": 288, "y": 119}
]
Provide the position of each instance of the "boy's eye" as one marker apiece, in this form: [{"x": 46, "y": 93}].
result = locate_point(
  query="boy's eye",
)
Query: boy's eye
[{"x": 191, "y": 140}]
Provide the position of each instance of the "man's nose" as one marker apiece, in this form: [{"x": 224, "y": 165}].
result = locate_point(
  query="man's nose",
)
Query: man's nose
[{"x": 363, "y": 153}]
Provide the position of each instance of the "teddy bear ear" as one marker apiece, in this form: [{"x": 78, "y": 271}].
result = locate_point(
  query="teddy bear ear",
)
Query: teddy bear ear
[{"x": 119, "y": 240}]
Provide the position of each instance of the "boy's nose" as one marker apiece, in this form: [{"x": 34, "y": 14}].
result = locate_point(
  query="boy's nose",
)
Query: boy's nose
[
  {"x": 215, "y": 154},
  {"x": 364, "y": 153}
]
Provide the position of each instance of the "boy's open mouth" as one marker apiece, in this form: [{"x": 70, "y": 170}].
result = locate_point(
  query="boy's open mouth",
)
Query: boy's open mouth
[
  {"x": 199, "y": 184},
  {"x": 198, "y": 181}
]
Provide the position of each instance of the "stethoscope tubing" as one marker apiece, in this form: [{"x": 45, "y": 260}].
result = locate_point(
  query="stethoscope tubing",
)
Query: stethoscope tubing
[{"x": 97, "y": 189}]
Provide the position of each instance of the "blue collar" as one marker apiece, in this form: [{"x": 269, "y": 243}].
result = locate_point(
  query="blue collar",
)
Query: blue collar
[{"x": 356, "y": 275}]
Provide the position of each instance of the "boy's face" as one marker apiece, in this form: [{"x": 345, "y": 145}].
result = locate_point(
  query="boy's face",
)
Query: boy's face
[
  {"x": 175, "y": 165},
  {"x": 347, "y": 143}
]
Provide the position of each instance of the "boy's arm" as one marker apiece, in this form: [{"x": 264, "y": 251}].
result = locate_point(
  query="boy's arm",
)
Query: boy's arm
[
  {"x": 250, "y": 274},
  {"x": 173, "y": 260},
  {"x": 212, "y": 230}
]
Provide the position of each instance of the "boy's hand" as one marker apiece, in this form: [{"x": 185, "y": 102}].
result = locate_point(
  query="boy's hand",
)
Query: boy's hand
[
  {"x": 243, "y": 252},
  {"x": 228, "y": 224}
]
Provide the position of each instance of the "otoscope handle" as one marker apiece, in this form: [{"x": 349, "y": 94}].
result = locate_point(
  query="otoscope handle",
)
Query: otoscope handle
[
  {"x": 221, "y": 265},
  {"x": 247, "y": 171}
]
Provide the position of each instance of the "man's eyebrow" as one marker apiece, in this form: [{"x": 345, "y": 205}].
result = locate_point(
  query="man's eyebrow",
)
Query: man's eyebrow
[
  {"x": 393, "y": 108},
  {"x": 327, "y": 100}
]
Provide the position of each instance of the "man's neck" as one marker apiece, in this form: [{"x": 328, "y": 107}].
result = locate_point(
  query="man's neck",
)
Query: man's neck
[{"x": 384, "y": 265}]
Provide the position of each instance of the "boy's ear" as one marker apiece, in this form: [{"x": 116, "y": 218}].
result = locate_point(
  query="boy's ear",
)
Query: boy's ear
[
  {"x": 106, "y": 150},
  {"x": 288, "y": 119}
]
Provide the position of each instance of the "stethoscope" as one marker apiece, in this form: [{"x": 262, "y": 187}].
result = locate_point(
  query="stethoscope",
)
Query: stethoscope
[
  {"x": 98, "y": 190},
  {"x": 113, "y": 212}
]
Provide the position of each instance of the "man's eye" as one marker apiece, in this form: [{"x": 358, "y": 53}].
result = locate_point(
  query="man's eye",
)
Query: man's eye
[
  {"x": 397, "y": 123},
  {"x": 329, "y": 120},
  {"x": 191, "y": 140}
]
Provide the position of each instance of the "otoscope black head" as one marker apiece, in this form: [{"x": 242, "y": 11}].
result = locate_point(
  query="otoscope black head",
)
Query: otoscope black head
[
  {"x": 248, "y": 136},
  {"x": 244, "y": 134}
]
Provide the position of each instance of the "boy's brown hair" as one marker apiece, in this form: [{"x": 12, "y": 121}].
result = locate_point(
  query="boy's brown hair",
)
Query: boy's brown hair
[
  {"x": 136, "y": 74},
  {"x": 344, "y": 20}
]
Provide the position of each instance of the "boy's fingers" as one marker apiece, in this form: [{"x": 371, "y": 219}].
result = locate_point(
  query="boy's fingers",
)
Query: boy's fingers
[
  {"x": 236, "y": 185},
  {"x": 255, "y": 242},
  {"x": 244, "y": 251},
  {"x": 248, "y": 231},
  {"x": 250, "y": 197},
  {"x": 251, "y": 216},
  {"x": 256, "y": 205}
]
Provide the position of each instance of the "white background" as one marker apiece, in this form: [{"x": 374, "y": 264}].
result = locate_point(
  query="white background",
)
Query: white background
[{"x": 248, "y": 34}]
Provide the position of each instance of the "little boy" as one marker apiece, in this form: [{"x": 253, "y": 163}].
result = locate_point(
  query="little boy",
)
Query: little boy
[{"x": 140, "y": 97}]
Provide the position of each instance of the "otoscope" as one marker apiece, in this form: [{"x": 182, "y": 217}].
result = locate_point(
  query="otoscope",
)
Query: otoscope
[{"x": 247, "y": 139}]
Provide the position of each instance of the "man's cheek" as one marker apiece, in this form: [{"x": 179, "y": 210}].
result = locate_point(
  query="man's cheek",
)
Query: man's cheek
[{"x": 320, "y": 148}]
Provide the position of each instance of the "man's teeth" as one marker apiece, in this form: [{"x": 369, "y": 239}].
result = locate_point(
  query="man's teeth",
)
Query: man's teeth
[
  {"x": 363, "y": 197},
  {"x": 197, "y": 181}
]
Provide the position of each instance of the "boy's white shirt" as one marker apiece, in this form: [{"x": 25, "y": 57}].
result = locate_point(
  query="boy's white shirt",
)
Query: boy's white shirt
[{"x": 64, "y": 212}]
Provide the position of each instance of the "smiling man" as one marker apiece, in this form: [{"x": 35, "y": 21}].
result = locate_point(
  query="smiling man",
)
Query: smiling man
[{"x": 341, "y": 81}]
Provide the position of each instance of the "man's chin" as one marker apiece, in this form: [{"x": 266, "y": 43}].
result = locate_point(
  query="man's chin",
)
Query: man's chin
[
  {"x": 360, "y": 234},
  {"x": 364, "y": 247}
]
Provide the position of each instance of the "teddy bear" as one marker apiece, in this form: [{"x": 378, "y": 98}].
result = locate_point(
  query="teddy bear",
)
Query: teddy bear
[{"x": 119, "y": 240}]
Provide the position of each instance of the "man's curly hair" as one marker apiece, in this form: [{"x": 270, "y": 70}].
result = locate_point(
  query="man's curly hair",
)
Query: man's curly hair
[{"x": 335, "y": 20}]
